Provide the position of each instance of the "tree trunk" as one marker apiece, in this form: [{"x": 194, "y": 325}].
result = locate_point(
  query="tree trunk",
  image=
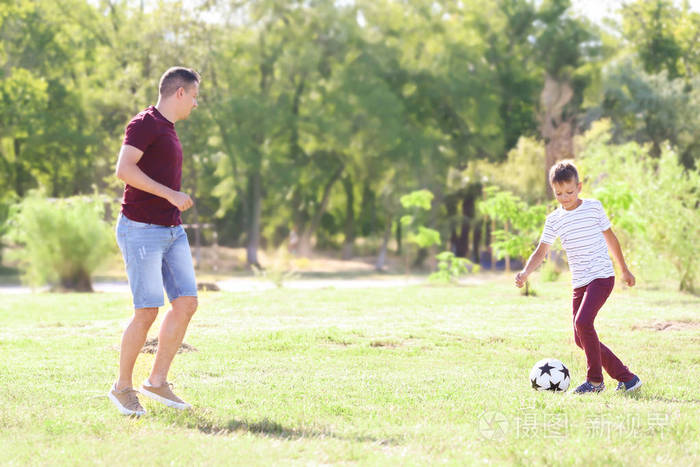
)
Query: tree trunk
[
  {"x": 476, "y": 241},
  {"x": 557, "y": 125},
  {"x": 78, "y": 282},
  {"x": 381, "y": 257},
  {"x": 349, "y": 218},
  {"x": 255, "y": 200},
  {"x": 197, "y": 237},
  {"x": 451, "y": 207},
  {"x": 305, "y": 246},
  {"x": 489, "y": 233},
  {"x": 399, "y": 235},
  {"x": 367, "y": 210},
  {"x": 505, "y": 227},
  {"x": 468, "y": 210}
]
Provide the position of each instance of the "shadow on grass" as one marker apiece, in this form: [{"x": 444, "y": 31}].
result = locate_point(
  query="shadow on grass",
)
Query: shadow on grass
[
  {"x": 202, "y": 420},
  {"x": 641, "y": 396}
]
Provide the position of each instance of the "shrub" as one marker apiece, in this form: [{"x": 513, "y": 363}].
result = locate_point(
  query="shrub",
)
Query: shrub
[
  {"x": 451, "y": 268},
  {"x": 61, "y": 241},
  {"x": 652, "y": 203},
  {"x": 522, "y": 225}
]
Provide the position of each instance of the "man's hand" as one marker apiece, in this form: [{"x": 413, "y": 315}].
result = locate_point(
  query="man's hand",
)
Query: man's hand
[
  {"x": 181, "y": 200},
  {"x": 520, "y": 279},
  {"x": 628, "y": 278}
]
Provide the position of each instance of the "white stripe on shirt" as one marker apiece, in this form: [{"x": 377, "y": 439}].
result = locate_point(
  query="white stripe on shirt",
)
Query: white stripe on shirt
[{"x": 581, "y": 233}]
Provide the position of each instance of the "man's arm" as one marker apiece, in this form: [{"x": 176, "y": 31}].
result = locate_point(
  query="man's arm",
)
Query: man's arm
[
  {"x": 130, "y": 173},
  {"x": 616, "y": 252},
  {"x": 533, "y": 263}
]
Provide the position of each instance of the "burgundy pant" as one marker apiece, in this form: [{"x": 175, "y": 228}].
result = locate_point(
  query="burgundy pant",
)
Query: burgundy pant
[{"x": 587, "y": 301}]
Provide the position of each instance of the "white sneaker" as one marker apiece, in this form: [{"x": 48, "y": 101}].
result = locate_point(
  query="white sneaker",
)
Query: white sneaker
[
  {"x": 126, "y": 401},
  {"x": 163, "y": 394}
]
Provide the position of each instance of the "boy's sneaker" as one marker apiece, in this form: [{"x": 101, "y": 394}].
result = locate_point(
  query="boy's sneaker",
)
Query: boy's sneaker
[
  {"x": 631, "y": 385},
  {"x": 126, "y": 401},
  {"x": 588, "y": 387},
  {"x": 164, "y": 394}
]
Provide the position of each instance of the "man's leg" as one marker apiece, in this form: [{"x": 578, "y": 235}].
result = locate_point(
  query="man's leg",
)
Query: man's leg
[
  {"x": 172, "y": 332},
  {"x": 122, "y": 393},
  {"x": 132, "y": 342},
  {"x": 181, "y": 287}
]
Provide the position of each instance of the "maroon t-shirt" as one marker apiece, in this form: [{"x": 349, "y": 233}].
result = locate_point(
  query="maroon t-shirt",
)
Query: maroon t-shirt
[{"x": 155, "y": 135}]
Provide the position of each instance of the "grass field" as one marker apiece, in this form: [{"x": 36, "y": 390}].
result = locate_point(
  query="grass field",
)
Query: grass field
[{"x": 415, "y": 376}]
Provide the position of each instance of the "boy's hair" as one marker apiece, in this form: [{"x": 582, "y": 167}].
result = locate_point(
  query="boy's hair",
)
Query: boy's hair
[
  {"x": 563, "y": 171},
  {"x": 175, "y": 78}
]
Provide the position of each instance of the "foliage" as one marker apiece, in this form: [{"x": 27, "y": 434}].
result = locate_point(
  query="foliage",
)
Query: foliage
[
  {"x": 652, "y": 201},
  {"x": 521, "y": 224},
  {"x": 654, "y": 108},
  {"x": 664, "y": 35},
  {"x": 297, "y": 96},
  {"x": 61, "y": 241},
  {"x": 549, "y": 272},
  {"x": 418, "y": 234},
  {"x": 450, "y": 268},
  {"x": 282, "y": 268}
]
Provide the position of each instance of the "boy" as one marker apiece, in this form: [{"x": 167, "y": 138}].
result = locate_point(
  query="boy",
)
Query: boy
[{"x": 585, "y": 230}]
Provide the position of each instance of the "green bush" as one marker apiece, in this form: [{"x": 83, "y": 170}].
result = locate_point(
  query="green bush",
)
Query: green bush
[
  {"x": 549, "y": 272},
  {"x": 652, "y": 203},
  {"x": 60, "y": 242},
  {"x": 521, "y": 222},
  {"x": 5, "y": 205},
  {"x": 451, "y": 268}
]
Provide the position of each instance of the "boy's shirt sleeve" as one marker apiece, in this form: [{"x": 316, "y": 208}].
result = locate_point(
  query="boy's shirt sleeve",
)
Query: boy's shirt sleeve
[
  {"x": 603, "y": 220},
  {"x": 549, "y": 234}
]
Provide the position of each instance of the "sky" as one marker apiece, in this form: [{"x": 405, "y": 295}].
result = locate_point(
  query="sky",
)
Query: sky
[{"x": 596, "y": 10}]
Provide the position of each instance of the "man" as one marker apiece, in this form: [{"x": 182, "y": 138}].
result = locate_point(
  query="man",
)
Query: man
[{"x": 152, "y": 240}]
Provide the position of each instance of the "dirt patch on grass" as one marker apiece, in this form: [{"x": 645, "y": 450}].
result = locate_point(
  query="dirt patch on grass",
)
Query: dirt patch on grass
[
  {"x": 151, "y": 346},
  {"x": 679, "y": 325},
  {"x": 386, "y": 343}
]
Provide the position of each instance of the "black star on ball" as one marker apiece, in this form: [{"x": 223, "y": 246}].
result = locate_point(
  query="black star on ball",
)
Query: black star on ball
[
  {"x": 534, "y": 384},
  {"x": 545, "y": 369},
  {"x": 553, "y": 386},
  {"x": 564, "y": 370}
]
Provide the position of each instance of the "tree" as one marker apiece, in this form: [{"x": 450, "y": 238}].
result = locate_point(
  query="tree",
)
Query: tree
[
  {"x": 654, "y": 109},
  {"x": 522, "y": 224},
  {"x": 566, "y": 47}
]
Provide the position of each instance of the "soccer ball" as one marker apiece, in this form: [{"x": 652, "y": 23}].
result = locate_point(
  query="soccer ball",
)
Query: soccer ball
[{"x": 549, "y": 374}]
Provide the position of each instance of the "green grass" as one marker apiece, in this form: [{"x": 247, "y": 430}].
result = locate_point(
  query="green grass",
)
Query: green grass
[{"x": 374, "y": 377}]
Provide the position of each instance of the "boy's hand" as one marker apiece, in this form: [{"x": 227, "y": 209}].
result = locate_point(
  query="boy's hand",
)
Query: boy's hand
[
  {"x": 521, "y": 278},
  {"x": 628, "y": 278}
]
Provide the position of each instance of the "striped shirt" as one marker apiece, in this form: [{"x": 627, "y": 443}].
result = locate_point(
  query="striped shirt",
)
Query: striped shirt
[{"x": 581, "y": 233}]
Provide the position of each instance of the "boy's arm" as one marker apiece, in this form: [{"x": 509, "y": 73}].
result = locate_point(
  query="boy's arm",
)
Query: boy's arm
[
  {"x": 616, "y": 251},
  {"x": 533, "y": 262}
]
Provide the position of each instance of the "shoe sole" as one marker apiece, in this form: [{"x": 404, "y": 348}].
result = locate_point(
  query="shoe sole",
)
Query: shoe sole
[
  {"x": 587, "y": 392},
  {"x": 635, "y": 387},
  {"x": 122, "y": 409},
  {"x": 163, "y": 400}
]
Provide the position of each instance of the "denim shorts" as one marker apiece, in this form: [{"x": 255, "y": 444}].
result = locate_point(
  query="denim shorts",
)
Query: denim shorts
[{"x": 156, "y": 256}]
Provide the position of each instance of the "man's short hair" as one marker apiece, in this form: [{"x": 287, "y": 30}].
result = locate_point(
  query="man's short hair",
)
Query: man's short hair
[
  {"x": 563, "y": 171},
  {"x": 175, "y": 78}
]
